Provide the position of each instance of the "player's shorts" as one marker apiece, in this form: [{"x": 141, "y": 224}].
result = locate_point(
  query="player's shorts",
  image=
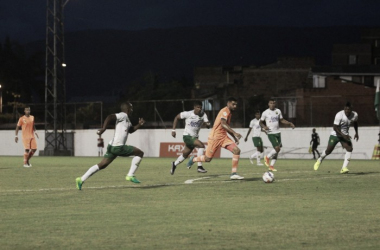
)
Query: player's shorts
[
  {"x": 189, "y": 141},
  {"x": 213, "y": 145},
  {"x": 100, "y": 149},
  {"x": 257, "y": 141},
  {"x": 333, "y": 140},
  {"x": 29, "y": 143},
  {"x": 115, "y": 151},
  {"x": 275, "y": 139}
]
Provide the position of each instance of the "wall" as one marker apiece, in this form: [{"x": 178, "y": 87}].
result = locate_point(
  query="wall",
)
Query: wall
[{"x": 296, "y": 142}]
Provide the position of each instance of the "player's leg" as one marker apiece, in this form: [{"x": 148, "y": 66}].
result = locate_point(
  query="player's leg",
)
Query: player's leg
[
  {"x": 33, "y": 146},
  {"x": 136, "y": 160},
  {"x": 212, "y": 147},
  {"x": 333, "y": 140},
  {"x": 260, "y": 150},
  {"x": 201, "y": 149},
  {"x": 347, "y": 157},
  {"x": 27, "y": 149},
  {"x": 185, "y": 153},
  {"x": 235, "y": 150},
  {"x": 271, "y": 158}
]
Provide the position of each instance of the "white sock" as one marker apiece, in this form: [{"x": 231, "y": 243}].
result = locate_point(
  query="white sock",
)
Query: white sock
[
  {"x": 200, "y": 153},
  {"x": 254, "y": 155},
  {"x": 134, "y": 165},
  {"x": 272, "y": 153},
  {"x": 179, "y": 160},
  {"x": 347, "y": 159},
  {"x": 273, "y": 161},
  {"x": 323, "y": 155},
  {"x": 92, "y": 170}
]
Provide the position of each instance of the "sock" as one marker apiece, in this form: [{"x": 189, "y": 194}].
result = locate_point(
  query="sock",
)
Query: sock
[
  {"x": 179, "y": 160},
  {"x": 92, "y": 170},
  {"x": 259, "y": 156},
  {"x": 200, "y": 153},
  {"x": 323, "y": 156},
  {"x": 31, "y": 153},
  {"x": 134, "y": 165},
  {"x": 271, "y": 153},
  {"x": 272, "y": 162},
  {"x": 347, "y": 159},
  {"x": 254, "y": 155},
  {"x": 26, "y": 157},
  {"x": 201, "y": 158},
  {"x": 235, "y": 163}
]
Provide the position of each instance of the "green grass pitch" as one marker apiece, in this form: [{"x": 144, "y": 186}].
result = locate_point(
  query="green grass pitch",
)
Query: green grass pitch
[{"x": 303, "y": 209}]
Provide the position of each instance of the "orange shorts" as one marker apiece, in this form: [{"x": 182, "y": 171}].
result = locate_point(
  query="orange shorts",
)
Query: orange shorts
[
  {"x": 214, "y": 144},
  {"x": 30, "y": 143}
]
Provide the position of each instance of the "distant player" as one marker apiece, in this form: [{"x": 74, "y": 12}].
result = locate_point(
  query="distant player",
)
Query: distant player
[
  {"x": 218, "y": 138},
  {"x": 272, "y": 117},
  {"x": 26, "y": 123},
  {"x": 314, "y": 143},
  {"x": 117, "y": 146},
  {"x": 100, "y": 145},
  {"x": 342, "y": 122},
  {"x": 256, "y": 139},
  {"x": 194, "y": 120}
]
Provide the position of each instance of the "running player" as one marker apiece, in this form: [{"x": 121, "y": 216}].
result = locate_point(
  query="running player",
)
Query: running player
[
  {"x": 194, "y": 120},
  {"x": 272, "y": 117},
  {"x": 342, "y": 122},
  {"x": 256, "y": 139},
  {"x": 218, "y": 138},
  {"x": 117, "y": 146},
  {"x": 316, "y": 142},
  {"x": 26, "y": 123}
]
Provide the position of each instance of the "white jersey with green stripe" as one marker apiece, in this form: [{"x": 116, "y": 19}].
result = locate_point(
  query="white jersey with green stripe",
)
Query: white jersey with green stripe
[
  {"x": 256, "y": 128},
  {"x": 193, "y": 122},
  {"x": 272, "y": 119},
  {"x": 344, "y": 122},
  {"x": 123, "y": 124}
]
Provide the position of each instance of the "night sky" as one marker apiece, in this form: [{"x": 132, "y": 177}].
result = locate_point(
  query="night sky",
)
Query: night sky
[{"x": 25, "y": 20}]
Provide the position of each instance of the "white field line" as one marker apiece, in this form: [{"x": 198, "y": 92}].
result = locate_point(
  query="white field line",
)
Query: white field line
[{"x": 187, "y": 182}]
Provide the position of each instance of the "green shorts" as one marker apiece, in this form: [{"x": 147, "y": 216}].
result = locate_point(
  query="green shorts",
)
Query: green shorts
[
  {"x": 189, "y": 141},
  {"x": 115, "y": 151},
  {"x": 275, "y": 139},
  {"x": 333, "y": 140},
  {"x": 257, "y": 141}
]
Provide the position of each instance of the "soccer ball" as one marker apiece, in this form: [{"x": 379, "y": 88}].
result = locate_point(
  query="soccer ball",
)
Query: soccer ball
[{"x": 268, "y": 177}]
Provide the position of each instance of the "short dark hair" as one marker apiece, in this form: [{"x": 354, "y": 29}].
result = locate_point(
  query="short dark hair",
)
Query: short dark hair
[
  {"x": 126, "y": 103},
  {"x": 349, "y": 105},
  {"x": 272, "y": 99},
  {"x": 257, "y": 112},
  {"x": 231, "y": 99},
  {"x": 197, "y": 103}
]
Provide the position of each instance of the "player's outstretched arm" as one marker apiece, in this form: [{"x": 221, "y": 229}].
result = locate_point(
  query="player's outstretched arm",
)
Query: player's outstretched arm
[
  {"x": 229, "y": 130},
  {"x": 249, "y": 131},
  {"x": 16, "y": 133},
  {"x": 175, "y": 124},
  {"x": 283, "y": 121},
  {"x": 136, "y": 127},
  {"x": 264, "y": 126},
  {"x": 356, "y": 131},
  {"x": 107, "y": 121}
]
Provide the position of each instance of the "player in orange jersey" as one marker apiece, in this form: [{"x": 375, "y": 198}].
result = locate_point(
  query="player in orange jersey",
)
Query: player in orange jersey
[
  {"x": 218, "y": 138},
  {"x": 26, "y": 123}
]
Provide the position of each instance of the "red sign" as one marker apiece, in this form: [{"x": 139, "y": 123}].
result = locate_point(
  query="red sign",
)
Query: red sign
[{"x": 174, "y": 149}]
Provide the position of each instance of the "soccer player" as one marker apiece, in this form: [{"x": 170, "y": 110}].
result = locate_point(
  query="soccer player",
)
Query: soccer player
[
  {"x": 26, "y": 123},
  {"x": 117, "y": 146},
  {"x": 257, "y": 141},
  {"x": 100, "y": 145},
  {"x": 272, "y": 117},
  {"x": 316, "y": 142},
  {"x": 218, "y": 138},
  {"x": 194, "y": 120},
  {"x": 342, "y": 122}
]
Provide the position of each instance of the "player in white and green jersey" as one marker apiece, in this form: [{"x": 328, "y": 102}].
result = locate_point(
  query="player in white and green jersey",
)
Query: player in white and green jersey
[
  {"x": 117, "y": 146},
  {"x": 256, "y": 139},
  {"x": 194, "y": 120},
  {"x": 272, "y": 117},
  {"x": 342, "y": 122}
]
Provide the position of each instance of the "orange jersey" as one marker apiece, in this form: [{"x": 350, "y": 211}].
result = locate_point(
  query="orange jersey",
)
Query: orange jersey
[
  {"x": 217, "y": 131},
  {"x": 27, "y": 126}
]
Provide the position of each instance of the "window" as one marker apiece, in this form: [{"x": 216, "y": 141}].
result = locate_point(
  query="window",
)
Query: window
[
  {"x": 319, "y": 81},
  {"x": 352, "y": 59}
]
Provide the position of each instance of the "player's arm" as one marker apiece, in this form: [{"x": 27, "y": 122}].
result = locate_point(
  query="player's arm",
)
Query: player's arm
[
  {"x": 136, "y": 127},
  {"x": 283, "y": 121},
  {"x": 35, "y": 130},
  {"x": 229, "y": 130},
  {"x": 262, "y": 125},
  {"x": 16, "y": 132},
  {"x": 208, "y": 125},
  {"x": 337, "y": 130},
  {"x": 107, "y": 121},
  {"x": 249, "y": 131},
  {"x": 356, "y": 131},
  {"x": 178, "y": 117}
]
